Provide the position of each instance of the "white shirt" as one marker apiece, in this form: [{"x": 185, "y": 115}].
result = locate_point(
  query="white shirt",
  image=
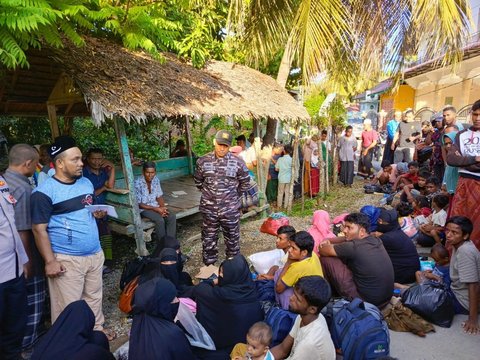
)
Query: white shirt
[
  {"x": 311, "y": 342},
  {"x": 439, "y": 218}
]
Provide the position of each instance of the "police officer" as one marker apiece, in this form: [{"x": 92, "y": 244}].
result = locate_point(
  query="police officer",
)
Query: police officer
[
  {"x": 221, "y": 177},
  {"x": 13, "y": 290}
]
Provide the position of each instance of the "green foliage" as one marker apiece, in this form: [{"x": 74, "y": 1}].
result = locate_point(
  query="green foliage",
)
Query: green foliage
[
  {"x": 20, "y": 130},
  {"x": 191, "y": 28},
  {"x": 336, "y": 114}
]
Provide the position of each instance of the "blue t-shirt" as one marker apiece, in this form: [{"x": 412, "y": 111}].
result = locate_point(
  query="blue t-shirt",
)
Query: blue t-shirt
[
  {"x": 444, "y": 273},
  {"x": 98, "y": 181},
  {"x": 71, "y": 227}
]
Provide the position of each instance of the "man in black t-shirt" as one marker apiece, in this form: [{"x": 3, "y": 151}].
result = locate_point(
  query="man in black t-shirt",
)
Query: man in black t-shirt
[
  {"x": 358, "y": 265},
  {"x": 409, "y": 131}
]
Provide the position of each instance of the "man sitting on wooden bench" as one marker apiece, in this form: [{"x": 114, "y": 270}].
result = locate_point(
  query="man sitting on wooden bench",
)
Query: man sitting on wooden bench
[{"x": 152, "y": 205}]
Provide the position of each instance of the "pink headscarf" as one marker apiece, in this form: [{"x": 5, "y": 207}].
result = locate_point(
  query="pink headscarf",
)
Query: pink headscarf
[{"x": 320, "y": 229}]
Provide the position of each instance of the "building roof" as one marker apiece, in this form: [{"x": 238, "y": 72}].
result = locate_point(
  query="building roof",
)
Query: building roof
[{"x": 114, "y": 81}]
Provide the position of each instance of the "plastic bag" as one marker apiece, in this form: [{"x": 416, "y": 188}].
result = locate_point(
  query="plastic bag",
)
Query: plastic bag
[
  {"x": 263, "y": 261},
  {"x": 196, "y": 334},
  {"x": 273, "y": 223},
  {"x": 431, "y": 301},
  {"x": 250, "y": 197}
]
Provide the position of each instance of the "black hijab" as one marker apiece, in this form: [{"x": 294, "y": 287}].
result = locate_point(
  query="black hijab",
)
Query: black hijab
[
  {"x": 389, "y": 219},
  {"x": 153, "y": 334},
  {"x": 236, "y": 284},
  {"x": 71, "y": 334},
  {"x": 170, "y": 272}
]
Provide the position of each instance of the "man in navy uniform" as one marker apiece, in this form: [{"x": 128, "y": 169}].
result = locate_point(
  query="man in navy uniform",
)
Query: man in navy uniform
[{"x": 221, "y": 177}]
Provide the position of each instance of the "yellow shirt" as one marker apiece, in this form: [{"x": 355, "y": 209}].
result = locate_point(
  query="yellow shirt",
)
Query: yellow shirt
[{"x": 306, "y": 267}]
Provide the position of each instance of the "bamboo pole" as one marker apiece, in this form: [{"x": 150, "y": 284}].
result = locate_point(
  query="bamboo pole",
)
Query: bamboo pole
[
  {"x": 129, "y": 180},
  {"x": 294, "y": 168}
]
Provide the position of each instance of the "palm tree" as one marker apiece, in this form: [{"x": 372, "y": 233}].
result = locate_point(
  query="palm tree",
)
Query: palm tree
[{"x": 353, "y": 42}]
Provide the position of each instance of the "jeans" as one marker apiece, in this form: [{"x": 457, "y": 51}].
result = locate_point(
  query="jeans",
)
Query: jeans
[{"x": 13, "y": 317}]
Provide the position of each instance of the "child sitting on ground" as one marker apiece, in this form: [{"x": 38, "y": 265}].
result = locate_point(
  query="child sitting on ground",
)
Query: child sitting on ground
[
  {"x": 411, "y": 177},
  {"x": 259, "y": 337},
  {"x": 430, "y": 233},
  {"x": 439, "y": 274},
  {"x": 284, "y": 235},
  {"x": 405, "y": 219},
  {"x": 415, "y": 189},
  {"x": 433, "y": 188},
  {"x": 421, "y": 207},
  {"x": 441, "y": 271}
]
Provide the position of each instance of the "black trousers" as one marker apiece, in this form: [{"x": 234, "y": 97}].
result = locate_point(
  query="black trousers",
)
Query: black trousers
[{"x": 13, "y": 317}]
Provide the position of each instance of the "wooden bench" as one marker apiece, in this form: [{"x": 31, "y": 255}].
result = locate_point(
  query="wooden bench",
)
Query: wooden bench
[{"x": 174, "y": 176}]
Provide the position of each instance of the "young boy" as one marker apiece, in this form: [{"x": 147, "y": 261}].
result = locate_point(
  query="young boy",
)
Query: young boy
[
  {"x": 464, "y": 271},
  {"x": 284, "y": 168},
  {"x": 302, "y": 261},
  {"x": 430, "y": 232},
  {"x": 309, "y": 338},
  {"x": 432, "y": 188},
  {"x": 284, "y": 235},
  {"x": 259, "y": 337},
  {"x": 439, "y": 274},
  {"x": 411, "y": 177},
  {"x": 415, "y": 188}
]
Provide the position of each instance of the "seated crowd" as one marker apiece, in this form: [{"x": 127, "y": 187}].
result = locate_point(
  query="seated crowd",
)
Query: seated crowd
[{"x": 222, "y": 317}]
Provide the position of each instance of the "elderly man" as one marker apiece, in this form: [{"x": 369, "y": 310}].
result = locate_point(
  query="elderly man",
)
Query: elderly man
[
  {"x": 221, "y": 177},
  {"x": 369, "y": 141},
  {"x": 23, "y": 160},
  {"x": 66, "y": 233}
]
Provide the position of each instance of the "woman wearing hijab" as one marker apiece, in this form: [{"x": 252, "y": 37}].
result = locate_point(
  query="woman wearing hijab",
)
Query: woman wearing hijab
[
  {"x": 227, "y": 310},
  {"x": 72, "y": 337},
  {"x": 450, "y": 176},
  {"x": 320, "y": 229},
  {"x": 154, "y": 335},
  {"x": 171, "y": 267},
  {"x": 400, "y": 248}
]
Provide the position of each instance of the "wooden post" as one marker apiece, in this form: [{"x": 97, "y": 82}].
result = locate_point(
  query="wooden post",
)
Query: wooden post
[
  {"x": 189, "y": 144},
  {"x": 52, "y": 116},
  {"x": 294, "y": 167},
  {"x": 128, "y": 175}
]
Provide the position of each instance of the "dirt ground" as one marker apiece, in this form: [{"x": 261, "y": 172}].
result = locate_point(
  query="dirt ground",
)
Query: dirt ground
[{"x": 340, "y": 200}]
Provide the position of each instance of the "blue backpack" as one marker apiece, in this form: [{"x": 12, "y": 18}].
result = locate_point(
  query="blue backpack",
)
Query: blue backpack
[
  {"x": 281, "y": 321},
  {"x": 358, "y": 329}
]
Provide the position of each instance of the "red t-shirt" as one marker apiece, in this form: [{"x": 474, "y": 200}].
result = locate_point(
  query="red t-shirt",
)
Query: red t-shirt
[
  {"x": 412, "y": 178},
  {"x": 368, "y": 137}
]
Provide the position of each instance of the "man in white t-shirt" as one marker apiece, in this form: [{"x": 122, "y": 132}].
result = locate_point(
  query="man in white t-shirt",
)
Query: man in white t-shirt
[{"x": 309, "y": 338}]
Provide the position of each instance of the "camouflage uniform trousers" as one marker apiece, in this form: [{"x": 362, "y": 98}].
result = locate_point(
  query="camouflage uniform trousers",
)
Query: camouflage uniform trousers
[{"x": 229, "y": 221}]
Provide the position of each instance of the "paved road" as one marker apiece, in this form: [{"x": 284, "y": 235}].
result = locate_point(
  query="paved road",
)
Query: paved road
[{"x": 444, "y": 344}]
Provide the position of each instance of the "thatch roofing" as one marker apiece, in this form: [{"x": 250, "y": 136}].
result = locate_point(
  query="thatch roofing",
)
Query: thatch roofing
[{"x": 119, "y": 82}]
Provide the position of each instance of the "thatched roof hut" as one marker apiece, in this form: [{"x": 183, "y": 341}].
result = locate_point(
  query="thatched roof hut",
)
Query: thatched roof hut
[{"x": 117, "y": 82}]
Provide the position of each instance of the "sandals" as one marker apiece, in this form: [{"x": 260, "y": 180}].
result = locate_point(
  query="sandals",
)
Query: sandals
[{"x": 110, "y": 334}]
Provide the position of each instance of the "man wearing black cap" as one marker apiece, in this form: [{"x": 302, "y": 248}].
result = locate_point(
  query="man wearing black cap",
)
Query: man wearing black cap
[
  {"x": 221, "y": 177},
  {"x": 66, "y": 232}
]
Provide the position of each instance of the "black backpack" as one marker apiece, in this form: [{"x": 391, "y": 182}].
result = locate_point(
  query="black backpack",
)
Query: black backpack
[{"x": 132, "y": 269}]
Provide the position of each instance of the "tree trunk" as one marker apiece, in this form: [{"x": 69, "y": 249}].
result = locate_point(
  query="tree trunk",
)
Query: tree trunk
[
  {"x": 282, "y": 77},
  {"x": 321, "y": 167},
  {"x": 285, "y": 64},
  {"x": 269, "y": 138},
  {"x": 334, "y": 156}
]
